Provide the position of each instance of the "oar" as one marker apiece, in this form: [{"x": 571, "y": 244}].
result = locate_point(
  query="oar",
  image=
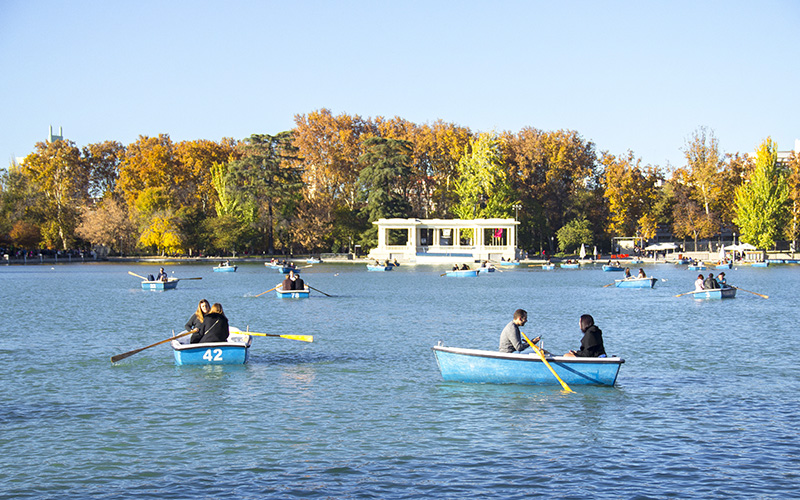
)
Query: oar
[
  {"x": 686, "y": 293},
  {"x": 541, "y": 355},
  {"x": 320, "y": 291},
  {"x": 606, "y": 286},
  {"x": 124, "y": 355},
  {"x": 181, "y": 279},
  {"x": 271, "y": 289},
  {"x": 302, "y": 338},
  {"x": 134, "y": 274},
  {"x": 754, "y": 293}
]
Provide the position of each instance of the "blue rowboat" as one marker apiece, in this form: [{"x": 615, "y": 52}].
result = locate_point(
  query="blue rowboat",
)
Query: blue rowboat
[
  {"x": 760, "y": 264},
  {"x": 285, "y": 270},
  {"x": 170, "y": 284},
  {"x": 636, "y": 261},
  {"x": 371, "y": 267},
  {"x": 225, "y": 269},
  {"x": 714, "y": 293},
  {"x": 508, "y": 263},
  {"x": 697, "y": 268},
  {"x": 725, "y": 266},
  {"x": 232, "y": 352},
  {"x": 570, "y": 266},
  {"x": 313, "y": 261},
  {"x": 548, "y": 267},
  {"x": 636, "y": 283},
  {"x": 486, "y": 269},
  {"x": 462, "y": 273},
  {"x": 608, "y": 268},
  {"x": 293, "y": 294},
  {"x": 273, "y": 265},
  {"x": 494, "y": 367},
  {"x": 683, "y": 261}
]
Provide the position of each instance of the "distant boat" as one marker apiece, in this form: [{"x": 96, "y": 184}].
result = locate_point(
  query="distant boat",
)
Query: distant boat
[
  {"x": 608, "y": 268},
  {"x": 726, "y": 265},
  {"x": 714, "y": 293},
  {"x": 170, "y": 284},
  {"x": 232, "y": 352},
  {"x": 486, "y": 269},
  {"x": 548, "y": 267},
  {"x": 293, "y": 294},
  {"x": 636, "y": 283},
  {"x": 760, "y": 264},
  {"x": 225, "y": 268},
  {"x": 683, "y": 261},
  {"x": 494, "y": 367},
  {"x": 636, "y": 261},
  {"x": 508, "y": 263},
  {"x": 698, "y": 267},
  {"x": 571, "y": 266},
  {"x": 462, "y": 273},
  {"x": 313, "y": 261},
  {"x": 371, "y": 267},
  {"x": 286, "y": 269}
]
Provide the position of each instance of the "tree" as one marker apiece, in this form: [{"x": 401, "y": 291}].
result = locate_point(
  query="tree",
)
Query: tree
[
  {"x": 761, "y": 200},
  {"x": 157, "y": 220},
  {"x": 150, "y": 162},
  {"x": 793, "y": 227},
  {"x": 704, "y": 180},
  {"x": 57, "y": 171},
  {"x": 573, "y": 234},
  {"x": 103, "y": 160},
  {"x": 483, "y": 186},
  {"x": 689, "y": 219},
  {"x": 384, "y": 177},
  {"x": 632, "y": 192},
  {"x": 108, "y": 225}
]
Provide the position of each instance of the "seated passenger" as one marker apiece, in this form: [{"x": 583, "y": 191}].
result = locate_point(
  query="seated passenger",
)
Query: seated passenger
[
  {"x": 698, "y": 283},
  {"x": 592, "y": 341},
  {"x": 214, "y": 327},
  {"x": 710, "y": 283},
  {"x": 641, "y": 273}
]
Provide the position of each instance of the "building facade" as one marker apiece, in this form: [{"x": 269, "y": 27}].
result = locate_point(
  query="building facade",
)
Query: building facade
[{"x": 431, "y": 241}]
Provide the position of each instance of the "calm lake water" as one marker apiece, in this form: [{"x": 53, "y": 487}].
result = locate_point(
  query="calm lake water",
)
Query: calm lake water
[{"x": 706, "y": 405}]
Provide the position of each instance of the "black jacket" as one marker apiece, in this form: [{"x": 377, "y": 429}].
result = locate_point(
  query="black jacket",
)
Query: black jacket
[
  {"x": 591, "y": 343},
  {"x": 213, "y": 329},
  {"x": 194, "y": 322}
]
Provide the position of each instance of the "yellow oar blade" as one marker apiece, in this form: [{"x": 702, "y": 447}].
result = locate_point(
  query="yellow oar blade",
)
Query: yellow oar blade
[{"x": 301, "y": 338}]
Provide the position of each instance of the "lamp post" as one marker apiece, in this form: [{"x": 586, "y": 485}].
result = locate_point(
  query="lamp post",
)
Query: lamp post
[{"x": 734, "y": 239}]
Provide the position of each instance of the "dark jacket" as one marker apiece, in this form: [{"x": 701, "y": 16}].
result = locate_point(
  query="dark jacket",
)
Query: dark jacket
[
  {"x": 299, "y": 284},
  {"x": 591, "y": 343},
  {"x": 287, "y": 284},
  {"x": 710, "y": 284},
  {"x": 194, "y": 322},
  {"x": 213, "y": 329}
]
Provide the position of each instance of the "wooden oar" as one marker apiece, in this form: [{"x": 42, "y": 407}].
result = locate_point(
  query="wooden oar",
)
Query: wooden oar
[
  {"x": 541, "y": 355},
  {"x": 320, "y": 291},
  {"x": 134, "y": 274},
  {"x": 606, "y": 286},
  {"x": 685, "y": 293},
  {"x": 271, "y": 289},
  {"x": 748, "y": 291},
  {"x": 124, "y": 355},
  {"x": 302, "y": 338},
  {"x": 180, "y": 279}
]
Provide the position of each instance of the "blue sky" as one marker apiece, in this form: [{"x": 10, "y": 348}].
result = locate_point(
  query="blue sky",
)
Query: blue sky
[{"x": 635, "y": 75}]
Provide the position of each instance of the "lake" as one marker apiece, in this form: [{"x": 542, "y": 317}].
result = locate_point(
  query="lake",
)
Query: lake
[{"x": 706, "y": 405}]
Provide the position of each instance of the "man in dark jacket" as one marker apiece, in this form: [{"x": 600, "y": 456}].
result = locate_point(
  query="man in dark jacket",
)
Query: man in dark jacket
[
  {"x": 592, "y": 341},
  {"x": 710, "y": 283}
]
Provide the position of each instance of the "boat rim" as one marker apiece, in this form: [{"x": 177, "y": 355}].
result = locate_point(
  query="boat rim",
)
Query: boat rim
[{"x": 525, "y": 357}]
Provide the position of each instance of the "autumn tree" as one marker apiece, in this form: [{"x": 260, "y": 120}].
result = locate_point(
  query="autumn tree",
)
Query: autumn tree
[
  {"x": 157, "y": 220},
  {"x": 631, "y": 191},
  {"x": 761, "y": 200},
  {"x": 483, "y": 186},
  {"x": 792, "y": 230},
  {"x": 108, "y": 224},
  {"x": 57, "y": 171},
  {"x": 103, "y": 160},
  {"x": 150, "y": 162},
  {"x": 573, "y": 234},
  {"x": 704, "y": 163}
]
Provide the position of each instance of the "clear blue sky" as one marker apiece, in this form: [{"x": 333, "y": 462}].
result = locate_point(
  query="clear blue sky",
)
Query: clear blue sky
[{"x": 635, "y": 75}]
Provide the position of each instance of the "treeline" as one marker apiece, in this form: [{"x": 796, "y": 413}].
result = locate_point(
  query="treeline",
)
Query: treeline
[{"x": 319, "y": 187}]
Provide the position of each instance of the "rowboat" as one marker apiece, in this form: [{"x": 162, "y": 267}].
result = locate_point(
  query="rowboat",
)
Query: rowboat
[
  {"x": 636, "y": 261},
  {"x": 486, "y": 269},
  {"x": 570, "y": 266},
  {"x": 727, "y": 265},
  {"x": 273, "y": 265},
  {"x": 683, "y": 261},
  {"x": 160, "y": 285},
  {"x": 636, "y": 282},
  {"x": 697, "y": 268},
  {"x": 494, "y": 367},
  {"x": 760, "y": 264},
  {"x": 462, "y": 273},
  {"x": 608, "y": 268},
  {"x": 714, "y": 293},
  {"x": 232, "y": 352},
  {"x": 508, "y": 263},
  {"x": 371, "y": 267},
  {"x": 313, "y": 261},
  {"x": 548, "y": 267},
  {"x": 286, "y": 269},
  {"x": 292, "y": 294},
  {"x": 225, "y": 268}
]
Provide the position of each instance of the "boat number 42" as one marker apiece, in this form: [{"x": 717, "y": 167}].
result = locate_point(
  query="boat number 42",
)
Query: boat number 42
[{"x": 213, "y": 355}]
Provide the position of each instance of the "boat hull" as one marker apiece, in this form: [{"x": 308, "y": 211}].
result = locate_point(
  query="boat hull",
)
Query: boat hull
[
  {"x": 729, "y": 265},
  {"x": 493, "y": 367},
  {"x": 171, "y": 284},
  {"x": 548, "y": 267},
  {"x": 760, "y": 264},
  {"x": 225, "y": 269},
  {"x": 379, "y": 268},
  {"x": 636, "y": 283},
  {"x": 486, "y": 269},
  {"x": 697, "y": 268},
  {"x": 462, "y": 273},
  {"x": 609, "y": 269},
  {"x": 233, "y": 352},
  {"x": 285, "y": 270},
  {"x": 570, "y": 266},
  {"x": 713, "y": 294},
  {"x": 292, "y": 294}
]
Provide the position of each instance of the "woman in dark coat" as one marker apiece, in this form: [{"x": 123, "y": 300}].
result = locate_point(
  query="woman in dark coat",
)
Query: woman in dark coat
[
  {"x": 214, "y": 327},
  {"x": 592, "y": 341},
  {"x": 196, "y": 320}
]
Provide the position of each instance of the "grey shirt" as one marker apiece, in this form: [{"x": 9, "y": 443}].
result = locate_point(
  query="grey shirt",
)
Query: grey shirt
[{"x": 510, "y": 339}]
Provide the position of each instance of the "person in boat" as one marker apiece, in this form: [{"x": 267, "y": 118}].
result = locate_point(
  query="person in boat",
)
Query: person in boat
[
  {"x": 723, "y": 282},
  {"x": 297, "y": 281},
  {"x": 698, "y": 283},
  {"x": 203, "y": 308},
  {"x": 641, "y": 273},
  {"x": 214, "y": 327},
  {"x": 510, "y": 338},
  {"x": 288, "y": 283},
  {"x": 710, "y": 283},
  {"x": 464, "y": 267},
  {"x": 627, "y": 273},
  {"x": 395, "y": 263},
  {"x": 592, "y": 341},
  {"x": 162, "y": 275}
]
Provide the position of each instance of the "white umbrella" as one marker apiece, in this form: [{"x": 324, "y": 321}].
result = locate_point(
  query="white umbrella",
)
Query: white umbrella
[
  {"x": 583, "y": 251},
  {"x": 595, "y": 250}
]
